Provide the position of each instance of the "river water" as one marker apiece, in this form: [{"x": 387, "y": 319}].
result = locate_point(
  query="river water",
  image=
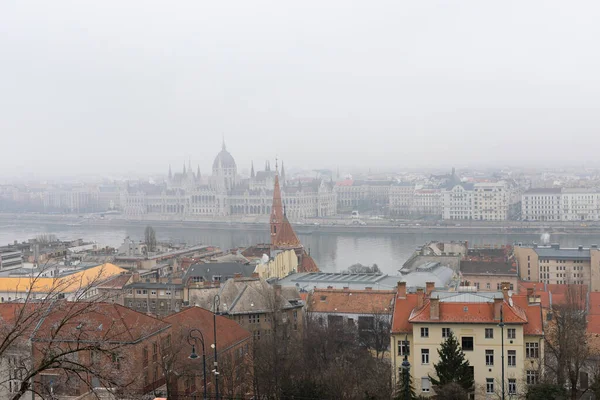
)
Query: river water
[{"x": 332, "y": 252}]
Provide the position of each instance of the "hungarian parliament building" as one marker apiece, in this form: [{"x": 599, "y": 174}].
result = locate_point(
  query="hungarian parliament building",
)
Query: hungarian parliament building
[{"x": 188, "y": 194}]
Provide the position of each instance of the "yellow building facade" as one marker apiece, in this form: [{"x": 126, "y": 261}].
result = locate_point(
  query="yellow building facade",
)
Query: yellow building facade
[
  {"x": 555, "y": 265},
  {"x": 422, "y": 321},
  {"x": 283, "y": 264}
]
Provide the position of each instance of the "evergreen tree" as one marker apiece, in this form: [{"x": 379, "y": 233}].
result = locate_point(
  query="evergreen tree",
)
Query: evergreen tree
[
  {"x": 401, "y": 388},
  {"x": 452, "y": 367}
]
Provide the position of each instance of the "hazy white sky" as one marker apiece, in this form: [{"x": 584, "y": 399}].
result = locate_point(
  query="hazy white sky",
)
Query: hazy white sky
[{"x": 118, "y": 86}]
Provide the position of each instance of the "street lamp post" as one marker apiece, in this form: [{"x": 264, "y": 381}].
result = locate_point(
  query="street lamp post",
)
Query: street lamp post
[
  {"x": 406, "y": 373},
  {"x": 193, "y": 356},
  {"x": 501, "y": 325},
  {"x": 216, "y": 302}
]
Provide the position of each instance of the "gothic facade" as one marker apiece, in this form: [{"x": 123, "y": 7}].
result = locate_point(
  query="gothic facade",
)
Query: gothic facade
[{"x": 187, "y": 194}]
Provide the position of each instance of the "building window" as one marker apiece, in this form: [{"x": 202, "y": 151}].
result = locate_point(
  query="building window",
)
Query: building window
[
  {"x": 403, "y": 348},
  {"x": 425, "y": 384},
  {"x": 424, "y": 332},
  {"x": 511, "y": 333},
  {"x": 489, "y": 385},
  {"x": 512, "y": 358},
  {"x": 512, "y": 386},
  {"x": 489, "y": 357},
  {"x": 467, "y": 343},
  {"x": 446, "y": 332},
  {"x": 145, "y": 356},
  {"x": 532, "y": 350},
  {"x": 424, "y": 356},
  {"x": 254, "y": 318},
  {"x": 532, "y": 377},
  {"x": 489, "y": 333}
]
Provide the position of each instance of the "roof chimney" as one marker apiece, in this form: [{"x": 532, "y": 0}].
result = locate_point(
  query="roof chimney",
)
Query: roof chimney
[
  {"x": 434, "y": 308},
  {"x": 368, "y": 288},
  {"x": 237, "y": 275},
  {"x": 580, "y": 247},
  {"x": 401, "y": 290},
  {"x": 255, "y": 274},
  {"x": 429, "y": 287},
  {"x": 505, "y": 288},
  {"x": 277, "y": 290},
  {"x": 420, "y": 295},
  {"x": 497, "y": 307}
]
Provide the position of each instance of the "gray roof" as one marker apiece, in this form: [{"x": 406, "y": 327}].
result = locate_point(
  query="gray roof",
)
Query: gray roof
[
  {"x": 565, "y": 254},
  {"x": 225, "y": 270},
  {"x": 41, "y": 269},
  {"x": 440, "y": 276},
  {"x": 487, "y": 268},
  {"x": 467, "y": 297},
  {"x": 224, "y": 159},
  {"x": 247, "y": 296}
]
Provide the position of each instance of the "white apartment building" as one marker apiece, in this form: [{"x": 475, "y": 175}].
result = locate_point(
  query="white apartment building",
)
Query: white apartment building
[
  {"x": 491, "y": 201},
  {"x": 427, "y": 202},
  {"x": 484, "y": 201},
  {"x": 541, "y": 204},
  {"x": 580, "y": 205},
  {"x": 401, "y": 198},
  {"x": 458, "y": 202},
  {"x": 556, "y": 204}
]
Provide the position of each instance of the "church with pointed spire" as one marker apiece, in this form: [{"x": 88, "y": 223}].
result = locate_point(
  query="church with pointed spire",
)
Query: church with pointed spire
[
  {"x": 283, "y": 236},
  {"x": 227, "y": 193}
]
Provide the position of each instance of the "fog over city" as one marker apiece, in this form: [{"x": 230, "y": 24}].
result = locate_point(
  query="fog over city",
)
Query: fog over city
[{"x": 118, "y": 87}]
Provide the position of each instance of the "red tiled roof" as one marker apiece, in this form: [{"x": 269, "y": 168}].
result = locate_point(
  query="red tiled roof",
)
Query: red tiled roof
[
  {"x": 593, "y": 326},
  {"x": 229, "y": 332},
  {"x": 98, "y": 321},
  {"x": 469, "y": 313},
  {"x": 558, "y": 292},
  {"x": 535, "y": 324},
  {"x": 286, "y": 237},
  {"x": 9, "y": 312},
  {"x": 594, "y": 303},
  {"x": 402, "y": 310},
  {"x": 276, "y": 210},
  {"x": 405, "y": 313},
  {"x": 308, "y": 264},
  {"x": 116, "y": 283},
  {"x": 351, "y": 301},
  {"x": 594, "y": 313}
]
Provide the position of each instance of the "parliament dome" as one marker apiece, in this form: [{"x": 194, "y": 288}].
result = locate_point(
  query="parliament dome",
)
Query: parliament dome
[{"x": 224, "y": 160}]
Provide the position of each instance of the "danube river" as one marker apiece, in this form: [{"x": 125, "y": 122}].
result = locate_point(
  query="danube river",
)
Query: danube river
[{"x": 333, "y": 252}]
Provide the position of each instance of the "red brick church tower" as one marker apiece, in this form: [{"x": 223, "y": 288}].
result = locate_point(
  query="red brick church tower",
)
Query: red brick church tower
[
  {"x": 276, "y": 209},
  {"x": 283, "y": 236}
]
